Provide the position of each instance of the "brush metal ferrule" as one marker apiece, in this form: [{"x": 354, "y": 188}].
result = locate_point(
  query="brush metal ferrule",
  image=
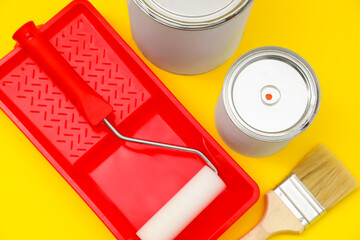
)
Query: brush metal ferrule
[{"x": 299, "y": 200}]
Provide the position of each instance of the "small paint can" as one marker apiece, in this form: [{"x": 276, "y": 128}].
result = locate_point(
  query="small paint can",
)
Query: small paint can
[
  {"x": 270, "y": 95},
  {"x": 188, "y": 36}
]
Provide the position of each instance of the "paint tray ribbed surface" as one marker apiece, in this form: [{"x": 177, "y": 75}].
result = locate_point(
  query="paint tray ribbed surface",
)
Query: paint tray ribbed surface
[{"x": 124, "y": 183}]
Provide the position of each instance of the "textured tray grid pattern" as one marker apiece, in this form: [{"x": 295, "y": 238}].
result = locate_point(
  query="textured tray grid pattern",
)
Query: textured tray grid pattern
[{"x": 49, "y": 109}]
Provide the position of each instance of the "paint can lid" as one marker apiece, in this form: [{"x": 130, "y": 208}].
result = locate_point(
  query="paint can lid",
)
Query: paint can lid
[
  {"x": 271, "y": 94},
  {"x": 192, "y": 14}
]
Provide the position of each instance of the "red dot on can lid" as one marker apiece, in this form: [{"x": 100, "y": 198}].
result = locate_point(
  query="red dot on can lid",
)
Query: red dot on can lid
[{"x": 268, "y": 96}]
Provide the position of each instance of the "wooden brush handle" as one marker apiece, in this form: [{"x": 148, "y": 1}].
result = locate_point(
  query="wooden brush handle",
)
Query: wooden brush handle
[{"x": 277, "y": 218}]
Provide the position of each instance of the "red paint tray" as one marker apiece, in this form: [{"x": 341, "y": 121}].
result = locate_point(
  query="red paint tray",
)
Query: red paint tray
[{"x": 124, "y": 183}]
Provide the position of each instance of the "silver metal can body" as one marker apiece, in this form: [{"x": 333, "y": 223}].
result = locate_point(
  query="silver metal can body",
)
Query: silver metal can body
[
  {"x": 187, "y": 48},
  {"x": 270, "y": 95},
  {"x": 239, "y": 141}
]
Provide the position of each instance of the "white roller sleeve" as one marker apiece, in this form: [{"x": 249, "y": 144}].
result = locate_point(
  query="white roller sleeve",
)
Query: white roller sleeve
[{"x": 180, "y": 210}]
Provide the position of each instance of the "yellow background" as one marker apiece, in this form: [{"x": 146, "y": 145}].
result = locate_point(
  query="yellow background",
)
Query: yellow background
[{"x": 36, "y": 203}]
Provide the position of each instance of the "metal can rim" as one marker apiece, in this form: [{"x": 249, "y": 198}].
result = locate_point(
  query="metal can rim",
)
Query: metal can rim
[
  {"x": 173, "y": 23},
  {"x": 302, "y": 65}
]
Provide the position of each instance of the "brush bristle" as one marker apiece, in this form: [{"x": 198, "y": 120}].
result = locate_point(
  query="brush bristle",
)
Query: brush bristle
[{"x": 325, "y": 176}]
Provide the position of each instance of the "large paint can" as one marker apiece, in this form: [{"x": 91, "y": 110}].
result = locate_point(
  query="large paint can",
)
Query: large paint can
[
  {"x": 270, "y": 95},
  {"x": 188, "y": 36}
]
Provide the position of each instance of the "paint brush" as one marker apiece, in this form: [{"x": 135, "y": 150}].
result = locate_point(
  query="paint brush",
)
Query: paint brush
[{"x": 318, "y": 183}]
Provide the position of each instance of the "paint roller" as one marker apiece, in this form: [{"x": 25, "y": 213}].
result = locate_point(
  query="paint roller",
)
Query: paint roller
[
  {"x": 181, "y": 209},
  {"x": 188, "y": 202}
]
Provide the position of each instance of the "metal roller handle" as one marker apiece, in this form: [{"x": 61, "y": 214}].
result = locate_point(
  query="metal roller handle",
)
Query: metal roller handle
[{"x": 163, "y": 145}]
